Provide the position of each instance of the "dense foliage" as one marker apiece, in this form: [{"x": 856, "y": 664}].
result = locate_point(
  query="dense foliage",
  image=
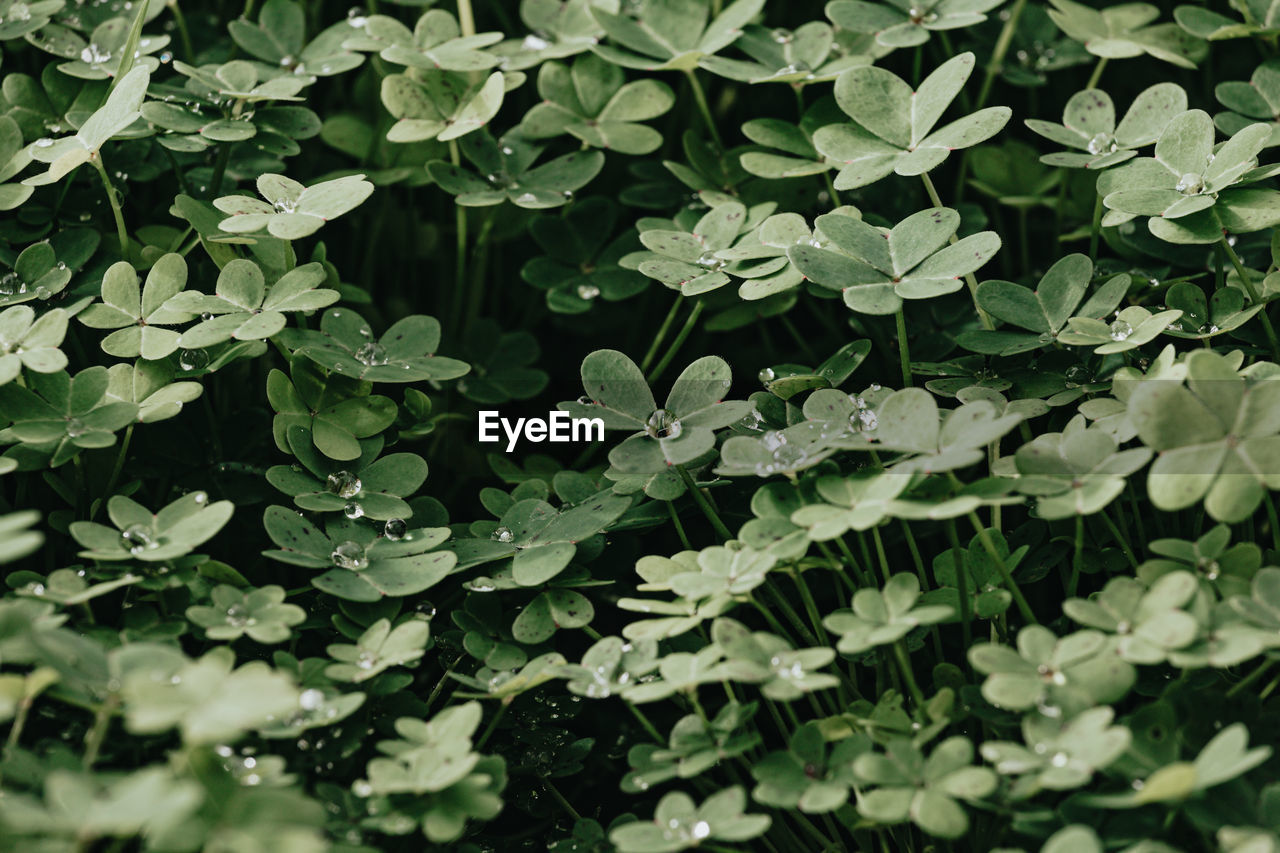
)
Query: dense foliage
[{"x": 953, "y": 529}]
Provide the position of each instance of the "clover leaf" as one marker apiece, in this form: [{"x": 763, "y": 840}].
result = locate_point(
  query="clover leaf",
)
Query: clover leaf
[
  {"x": 880, "y": 617},
  {"x": 893, "y": 131},
  {"x": 1203, "y": 318},
  {"x": 1073, "y": 672},
  {"x": 441, "y": 106},
  {"x": 1078, "y": 471},
  {"x": 378, "y": 648},
  {"x": 789, "y": 148},
  {"x": 37, "y": 273},
  {"x": 1188, "y": 177},
  {"x": 559, "y": 28},
  {"x": 1089, "y": 125},
  {"x": 1045, "y": 310},
  {"x": 907, "y": 786},
  {"x": 370, "y": 486},
  {"x": 901, "y": 23},
  {"x": 138, "y": 534},
  {"x": 784, "y": 673},
  {"x": 361, "y": 566},
  {"x": 403, "y": 353},
  {"x": 688, "y": 259},
  {"x": 1217, "y": 563},
  {"x": 18, "y": 18},
  {"x": 811, "y": 53},
  {"x": 208, "y": 700},
  {"x": 804, "y": 776},
  {"x": 670, "y": 35},
  {"x": 677, "y": 433},
  {"x": 113, "y": 118},
  {"x": 694, "y": 746},
  {"x": 581, "y": 262},
  {"x": 1126, "y": 31},
  {"x": 1216, "y": 438},
  {"x": 1149, "y": 622},
  {"x": 31, "y": 342},
  {"x": 1059, "y": 755},
  {"x": 258, "y": 612},
  {"x": 291, "y": 211},
  {"x": 338, "y": 410},
  {"x": 1131, "y": 328},
  {"x": 679, "y": 824},
  {"x": 433, "y": 777},
  {"x": 1254, "y": 101},
  {"x": 1260, "y": 17},
  {"x": 139, "y": 313},
  {"x": 876, "y": 269},
  {"x": 242, "y": 307},
  {"x": 436, "y": 42},
  {"x": 14, "y": 157},
  {"x": 59, "y": 415},
  {"x": 279, "y": 40},
  {"x": 608, "y": 666},
  {"x": 1262, "y": 607},
  {"x": 509, "y": 173},
  {"x": 592, "y": 102}
]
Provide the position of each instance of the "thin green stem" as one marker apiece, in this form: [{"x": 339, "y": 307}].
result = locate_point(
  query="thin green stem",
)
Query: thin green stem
[
  {"x": 880, "y": 553},
  {"x": 219, "y": 170},
  {"x": 122, "y": 233},
  {"x": 681, "y": 336},
  {"x": 1095, "y": 230},
  {"x": 1097, "y": 73},
  {"x": 101, "y": 722},
  {"x": 908, "y": 675},
  {"x": 662, "y": 333},
  {"x": 1077, "y": 558},
  {"x": 998, "y": 53},
  {"x": 1247, "y": 281},
  {"x": 1272, "y": 520},
  {"x": 121, "y": 455},
  {"x": 466, "y": 20},
  {"x": 1120, "y": 538},
  {"x": 962, "y": 584},
  {"x": 493, "y": 724},
  {"x": 701, "y": 97},
  {"x": 675, "y": 521},
  {"x": 645, "y": 724},
  {"x": 968, "y": 278},
  {"x": 1260, "y": 671},
  {"x": 559, "y": 798},
  {"x": 705, "y": 505},
  {"x": 810, "y": 607},
  {"x": 904, "y": 352},
  {"x": 1018, "y": 598},
  {"x": 460, "y": 249}
]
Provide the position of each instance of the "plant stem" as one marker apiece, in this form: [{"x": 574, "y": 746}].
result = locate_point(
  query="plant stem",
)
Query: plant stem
[
  {"x": 122, "y": 233},
  {"x": 904, "y": 353},
  {"x": 962, "y": 585},
  {"x": 460, "y": 249},
  {"x": 904, "y": 664},
  {"x": 101, "y": 722},
  {"x": 675, "y": 521},
  {"x": 684, "y": 333},
  {"x": 1096, "y": 229},
  {"x": 493, "y": 724},
  {"x": 559, "y": 797},
  {"x": 810, "y": 607},
  {"x": 1077, "y": 558},
  {"x": 1247, "y": 281},
  {"x": 219, "y": 170},
  {"x": 1260, "y": 671},
  {"x": 1120, "y": 538},
  {"x": 968, "y": 278},
  {"x": 115, "y": 470},
  {"x": 645, "y": 724},
  {"x": 701, "y": 97},
  {"x": 466, "y": 20},
  {"x": 1023, "y": 607},
  {"x": 1097, "y": 73},
  {"x": 703, "y": 504},
  {"x": 662, "y": 333},
  {"x": 998, "y": 53}
]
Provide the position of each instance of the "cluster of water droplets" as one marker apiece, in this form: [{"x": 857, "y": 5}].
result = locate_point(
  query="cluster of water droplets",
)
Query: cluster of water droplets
[
  {"x": 785, "y": 457},
  {"x": 240, "y": 616},
  {"x": 534, "y": 42},
  {"x": 1120, "y": 330},
  {"x": 285, "y": 205},
  {"x": 920, "y": 15},
  {"x": 357, "y": 17},
  {"x": 678, "y": 830},
  {"x": 18, "y": 13},
  {"x": 663, "y": 424},
  {"x": 588, "y": 292},
  {"x": 138, "y": 538},
  {"x": 344, "y": 484},
  {"x": 793, "y": 671},
  {"x": 863, "y": 418},
  {"x": 12, "y": 285},
  {"x": 349, "y": 555},
  {"x": 1190, "y": 184},
  {"x": 243, "y": 765},
  {"x": 95, "y": 55},
  {"x": 1102, "y": 143}
]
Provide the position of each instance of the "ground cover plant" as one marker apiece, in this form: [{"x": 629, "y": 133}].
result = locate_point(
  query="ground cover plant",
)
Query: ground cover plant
[{"x": 940, "y": 397}]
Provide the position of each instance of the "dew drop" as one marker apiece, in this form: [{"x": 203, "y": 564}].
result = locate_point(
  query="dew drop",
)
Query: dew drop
[
  {"x": 395, "y": 529},
  {"x": 344, "y": 484},
  {"x": 663, "y": 424},
  {"x": 349, "y": 555},
  {"x": 193, "y": 359}
]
